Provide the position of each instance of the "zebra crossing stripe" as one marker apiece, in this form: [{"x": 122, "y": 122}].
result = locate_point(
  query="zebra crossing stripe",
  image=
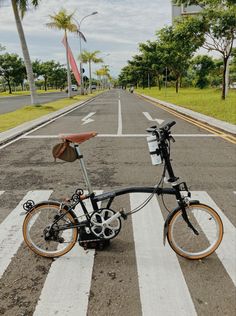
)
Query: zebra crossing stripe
[
  {"x": 163, "y": 290},
  {"x": 11, "y": 229},
  {"x": 71, "y": 276},
  {"x": 226, "y": 251}
]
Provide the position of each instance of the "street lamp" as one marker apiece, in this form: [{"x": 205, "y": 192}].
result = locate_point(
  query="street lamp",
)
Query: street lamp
[{"x": 80, "y": 48}]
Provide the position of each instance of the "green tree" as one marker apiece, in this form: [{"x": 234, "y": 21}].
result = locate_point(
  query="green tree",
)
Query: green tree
[
  {"x": 152, "y": 57},
  {"x": 12, "y": 69},
  {"x": 63, "y": 21},
  {"x": 20, "y": 7},
  {"x": 219, "y": 17},
  {"x": 177, "y": 44},
  {"x": 104, "y": 74},
  {"x": 137, "y": 71},
  {"x": 90, "y": 57},
  {"x": 233, "y": 67},
  {"x": 58, "y": 77},
  {"x": 202, "y": 65}
]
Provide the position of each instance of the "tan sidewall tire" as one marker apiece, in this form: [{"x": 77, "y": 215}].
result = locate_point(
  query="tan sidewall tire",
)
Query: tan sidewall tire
[
  {"x": 221, "y": 231},
  {"x": 41, "y": 253}
]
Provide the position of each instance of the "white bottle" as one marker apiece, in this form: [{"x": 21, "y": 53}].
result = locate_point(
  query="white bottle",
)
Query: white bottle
[{"x": 153, "y": 146}]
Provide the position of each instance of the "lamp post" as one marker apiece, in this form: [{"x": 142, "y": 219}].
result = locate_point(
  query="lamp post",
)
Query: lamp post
[{"x": 80, "y": 49}]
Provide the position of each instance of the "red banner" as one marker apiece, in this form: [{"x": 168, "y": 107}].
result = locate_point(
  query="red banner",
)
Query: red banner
[{"x": 72, "y": 62}]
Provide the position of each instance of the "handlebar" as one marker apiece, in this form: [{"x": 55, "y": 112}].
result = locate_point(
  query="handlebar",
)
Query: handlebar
[
  {"x": 162, "y": 132},
  {"x": 168, "y": 126}
]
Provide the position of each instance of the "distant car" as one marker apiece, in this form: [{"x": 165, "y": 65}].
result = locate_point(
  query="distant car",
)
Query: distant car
[
  {"x": 73, "y": 88},
  {"x": 93, "y": 87}
]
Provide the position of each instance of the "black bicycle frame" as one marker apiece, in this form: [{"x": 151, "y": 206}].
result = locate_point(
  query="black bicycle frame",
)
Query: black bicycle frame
[{"x": 110, "y": 196}]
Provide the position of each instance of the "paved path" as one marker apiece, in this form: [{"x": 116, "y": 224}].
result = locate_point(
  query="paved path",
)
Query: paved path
[
  {"x": 9, "y": 104},
  {"x": 136, "y": 275}
]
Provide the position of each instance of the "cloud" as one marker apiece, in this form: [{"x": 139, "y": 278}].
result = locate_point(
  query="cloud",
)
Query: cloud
[{"x": 117, "y": 28}]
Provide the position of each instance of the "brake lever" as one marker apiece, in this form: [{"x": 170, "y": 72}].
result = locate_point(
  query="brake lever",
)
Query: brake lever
[{"x": 172, "y": 138}]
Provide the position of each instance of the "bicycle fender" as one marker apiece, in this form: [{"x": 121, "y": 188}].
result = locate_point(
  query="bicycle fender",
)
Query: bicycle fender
[
  {"x": 169, "y": 217},
  {"x": 52, "y": 202}
]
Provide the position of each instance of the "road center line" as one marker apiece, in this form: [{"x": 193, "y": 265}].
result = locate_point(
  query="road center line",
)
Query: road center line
[{"x": 119, "y": 131}]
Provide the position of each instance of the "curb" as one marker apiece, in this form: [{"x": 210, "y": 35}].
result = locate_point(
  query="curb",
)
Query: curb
[
  {"x": 17, "y": 131},
  {"x": 230, "y": 128}
]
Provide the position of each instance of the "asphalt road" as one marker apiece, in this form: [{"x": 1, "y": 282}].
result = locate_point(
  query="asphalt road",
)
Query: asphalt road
[
  {"x": 136, "y": 275},
  {"x": 9, "y": 104}
]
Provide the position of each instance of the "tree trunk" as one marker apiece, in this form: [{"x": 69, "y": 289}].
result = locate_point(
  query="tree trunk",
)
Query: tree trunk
[
  {"x": 45, "y": 83},
  {"x": 28, "y": 65},
  {"x": 9, "y": 86},
  {"x": 177, "y": 85},
  {"x": 90, "y": 77},
  {"x": 159, "y": 82},
  {"x": 68, "y": 68},
  {"x": 223, "y": 92}
]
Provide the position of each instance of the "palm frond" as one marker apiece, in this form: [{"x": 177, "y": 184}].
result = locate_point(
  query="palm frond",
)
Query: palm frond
[
  {"x": 24, "y": 5},
  {"x": 62, "y": 20},
  {"x": 81, "y": 35}
]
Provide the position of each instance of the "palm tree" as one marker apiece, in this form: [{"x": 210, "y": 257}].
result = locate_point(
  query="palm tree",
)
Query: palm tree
[
  {"x": 105, "y": 72},
  {"x": 89, "y": 57},
  {"x": 63, "y": 21},
  {"x": 19, "y": 8}
]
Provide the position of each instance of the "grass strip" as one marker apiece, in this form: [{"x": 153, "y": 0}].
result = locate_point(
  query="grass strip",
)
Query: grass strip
[
  {"x": 31, "y": 112},
  {"x": 206, "y": 101},
  {"x": 16, "y": 93}
]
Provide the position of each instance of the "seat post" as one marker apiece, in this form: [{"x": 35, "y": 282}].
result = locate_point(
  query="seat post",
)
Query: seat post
[{"x": 84, "y": 170}]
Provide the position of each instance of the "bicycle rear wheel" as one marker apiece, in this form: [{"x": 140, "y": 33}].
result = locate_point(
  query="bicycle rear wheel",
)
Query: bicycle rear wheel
[
  {"x": 45, "y": 239},
  {"x": 185, "y": 242}
]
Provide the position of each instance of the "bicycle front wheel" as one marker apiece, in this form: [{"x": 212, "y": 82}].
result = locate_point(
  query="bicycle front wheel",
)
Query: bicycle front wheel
[
  {"x": 188, "y": 244},
  {"x": 45, "y": 238}
]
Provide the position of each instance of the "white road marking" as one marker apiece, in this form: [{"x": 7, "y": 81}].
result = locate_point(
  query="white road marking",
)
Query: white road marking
[
  {"x": 46, "y": 123},
  {"x": 11, "y": 229},
  {"x": 87, "y": 119},
  {"x": 116, "y": 135},
  {"x": 1, "y": 192},
  {"x": 227, "y": 249},
  {"x": 67, "y": 286},
  {"x": 148, "y": 116},
  {"x": 162, "y": 286},
  {"x": 119, "y": 131}
]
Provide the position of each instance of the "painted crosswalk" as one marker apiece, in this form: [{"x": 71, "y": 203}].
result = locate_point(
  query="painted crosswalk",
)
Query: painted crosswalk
[
  {"x": 66, "y": 290},
  {"x": 75, "y": 271},
  {"x": 226, "y": 252},
  {"x": 160, "y": 275},
  {"x": 11, "y": 229}
]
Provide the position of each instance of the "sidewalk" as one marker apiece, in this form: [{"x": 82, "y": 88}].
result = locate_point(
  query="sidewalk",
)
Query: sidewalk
[
  {"x": 25, "y": 127},
  {"x": 227, "y": 127}
]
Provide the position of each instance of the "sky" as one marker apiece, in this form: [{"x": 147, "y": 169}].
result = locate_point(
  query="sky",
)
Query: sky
[{"x": 116, "y": 30}]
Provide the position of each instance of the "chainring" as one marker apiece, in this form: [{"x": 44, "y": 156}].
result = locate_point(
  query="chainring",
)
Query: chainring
[{"x": 102, "y": 230}]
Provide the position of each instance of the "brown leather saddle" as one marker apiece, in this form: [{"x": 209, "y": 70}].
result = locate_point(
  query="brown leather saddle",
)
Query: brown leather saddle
[{"x": 66, "y": 152}]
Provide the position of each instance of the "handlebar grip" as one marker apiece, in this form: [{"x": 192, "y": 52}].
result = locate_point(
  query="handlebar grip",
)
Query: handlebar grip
[{"x": 168, "y": 126}]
